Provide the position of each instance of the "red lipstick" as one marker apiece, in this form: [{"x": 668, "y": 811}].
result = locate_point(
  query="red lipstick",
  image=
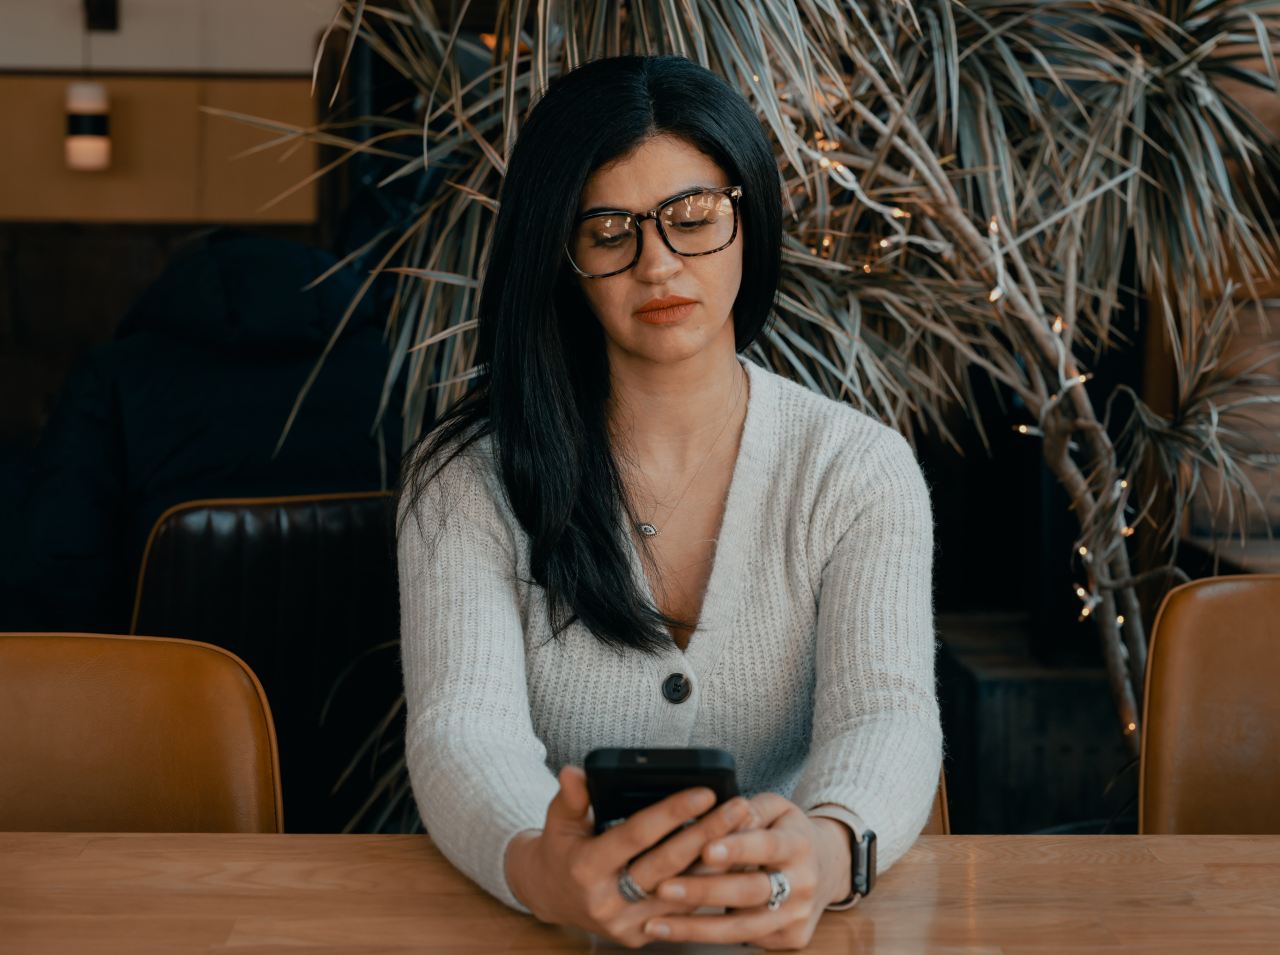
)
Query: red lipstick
[{"x": 665, "y": 311}]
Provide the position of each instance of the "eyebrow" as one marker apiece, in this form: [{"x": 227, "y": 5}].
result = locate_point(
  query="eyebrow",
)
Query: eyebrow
[{"x": 694, "y": 188}]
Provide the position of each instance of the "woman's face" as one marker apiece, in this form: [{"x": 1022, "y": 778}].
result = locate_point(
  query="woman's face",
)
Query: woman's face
[{"x": 662, "y": 167}]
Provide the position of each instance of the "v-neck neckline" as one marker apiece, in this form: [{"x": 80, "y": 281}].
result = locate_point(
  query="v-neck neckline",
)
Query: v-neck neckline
[{"x": 745, "y": 497}]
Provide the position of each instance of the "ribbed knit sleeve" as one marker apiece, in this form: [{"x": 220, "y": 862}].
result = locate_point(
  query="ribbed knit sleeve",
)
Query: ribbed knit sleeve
[
  {"x": 476, "y": 766},
  {"x": 877, "y": 737}
]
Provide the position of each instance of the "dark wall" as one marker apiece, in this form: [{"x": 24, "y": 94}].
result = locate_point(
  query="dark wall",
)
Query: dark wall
[{"x": 63, "y": 289}]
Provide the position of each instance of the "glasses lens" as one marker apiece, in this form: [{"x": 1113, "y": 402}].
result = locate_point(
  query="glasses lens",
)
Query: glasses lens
[
  {"x": 699, "y": 223},
  {"x": 604, "y": 243}
]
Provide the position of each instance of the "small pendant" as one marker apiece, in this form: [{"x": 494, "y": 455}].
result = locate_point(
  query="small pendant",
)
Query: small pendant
[{"x": 648, "y": 530}]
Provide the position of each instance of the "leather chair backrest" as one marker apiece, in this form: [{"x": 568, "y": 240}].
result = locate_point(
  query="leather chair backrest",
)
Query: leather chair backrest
[
  {"x": 1211, "y": 724},
  {"x": 104, "y": 733},
  {"x": 301, "y": 588}
]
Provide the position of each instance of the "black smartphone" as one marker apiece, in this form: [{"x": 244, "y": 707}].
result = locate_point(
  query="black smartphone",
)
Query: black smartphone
[{"x": 623, "y": 781}]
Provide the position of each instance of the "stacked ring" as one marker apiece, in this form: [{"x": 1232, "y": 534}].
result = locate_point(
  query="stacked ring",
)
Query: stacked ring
[
  {"x": 628, "y": 889},
  {"x": 779, "y": 890}
]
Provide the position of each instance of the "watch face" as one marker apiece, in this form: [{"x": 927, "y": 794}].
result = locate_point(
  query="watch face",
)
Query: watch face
[{"x": 864, "y": 868}]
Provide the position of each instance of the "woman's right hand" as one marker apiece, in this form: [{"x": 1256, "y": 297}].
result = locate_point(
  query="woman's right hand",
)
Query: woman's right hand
[{"x": 567, "y": 875}]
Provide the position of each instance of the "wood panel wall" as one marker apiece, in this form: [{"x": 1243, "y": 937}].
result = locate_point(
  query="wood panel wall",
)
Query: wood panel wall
[{"x": 171, "y": 162}]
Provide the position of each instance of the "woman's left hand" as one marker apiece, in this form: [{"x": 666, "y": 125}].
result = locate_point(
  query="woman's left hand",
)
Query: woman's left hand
[{"x": 787, "y": 841}]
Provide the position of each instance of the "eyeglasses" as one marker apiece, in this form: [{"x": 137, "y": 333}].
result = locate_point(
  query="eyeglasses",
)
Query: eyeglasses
[{"x": 698, "y": 222}]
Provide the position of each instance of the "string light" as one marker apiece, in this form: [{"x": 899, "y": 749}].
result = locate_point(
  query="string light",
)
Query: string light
[
  {"x": 1058, "y": 325},
  {"x": 824, "y": 162},
  {"x": 901, "y": 213},
  {"x": 1130, "y": 728},
  {"x": 1081, "y": 593},
  {"x": 884, "y": 243},
  {"x": 1123, "y": 484},
  {"x": 866, "y": 266},
  {"x": 1120, "y": 620},
  {"x": 1127, "y": 532},
  {"x": 755, "y": 77},
  {"x": 993, "y": 229},
  {"x": 1084, "y": 612},
  {"x": 1083, "y": 552},
  {"x": 1027, "y": 429},
  {"x": 826, "y": 240}
]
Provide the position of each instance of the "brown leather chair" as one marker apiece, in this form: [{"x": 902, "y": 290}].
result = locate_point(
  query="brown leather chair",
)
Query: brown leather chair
[
  {"x": 1211, "y": 723},
  {"x": 304, "y": 589},
  {"x": 104, "y": 733},
  {"x": 939, "y": 823}
]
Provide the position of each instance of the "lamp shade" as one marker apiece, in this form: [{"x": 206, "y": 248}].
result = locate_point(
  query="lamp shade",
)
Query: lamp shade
[{"x": 88, "y": 145}]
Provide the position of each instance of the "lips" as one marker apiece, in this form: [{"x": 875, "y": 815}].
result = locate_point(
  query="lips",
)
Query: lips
[
  {"x": 665, "y": 311},
  {"x": 665, "y": 316},
  {"x": 658, "y": 304}
]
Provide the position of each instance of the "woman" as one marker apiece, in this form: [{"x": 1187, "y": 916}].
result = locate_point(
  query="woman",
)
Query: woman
[{"x": 627, "y": 534}]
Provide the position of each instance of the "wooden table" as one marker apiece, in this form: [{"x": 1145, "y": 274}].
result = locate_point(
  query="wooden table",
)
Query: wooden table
[{"x": 140, "y": 893}]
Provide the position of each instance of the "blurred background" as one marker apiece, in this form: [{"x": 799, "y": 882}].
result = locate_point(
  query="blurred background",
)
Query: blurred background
[{"x": 160, "y": 315}]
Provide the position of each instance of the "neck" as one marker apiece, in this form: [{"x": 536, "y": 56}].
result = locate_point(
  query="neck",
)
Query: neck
[{"x": 665, "y": 416}]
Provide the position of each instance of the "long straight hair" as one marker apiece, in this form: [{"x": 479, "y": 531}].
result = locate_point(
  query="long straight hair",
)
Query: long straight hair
[{"x": 542, "y": 374}]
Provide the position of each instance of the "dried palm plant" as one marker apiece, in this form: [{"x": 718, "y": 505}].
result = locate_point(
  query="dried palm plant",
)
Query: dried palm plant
[{"x": 964, "y": 183}]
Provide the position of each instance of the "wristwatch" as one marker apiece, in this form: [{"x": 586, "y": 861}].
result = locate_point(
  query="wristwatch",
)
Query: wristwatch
[{"x": 862, "y": 852}]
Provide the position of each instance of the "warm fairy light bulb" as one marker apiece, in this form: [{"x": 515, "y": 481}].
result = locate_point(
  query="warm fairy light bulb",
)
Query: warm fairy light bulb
[
  {"x": 1058, "y": 325},
  {"x": 884, "y": 243},
  {"x": 824, "y": 162},
  {"x": 1120, "y": 620},
  {"x": 901, "y": 214},
  {"x": 993, "y": 226},
  {"x": 1081, "y": 593},
  {"x": 1085, "y": 612},
  {"x": 1123, "y": 483},
  {"x": 1084, "y": 552},
  {"x": 1023, "y": 429},
  {"x": 755, "y": 77},
  {"x": 866, "y": 266},
  {"x": 1127, "y": 532},
  {"x": 1082, "y": 378},
  {"x": 995, "y": 294},
  {"x": 1131, "y": 727},
  {"x": 817, "y": 134},
  {"x": 839, "y": 166},
  {"x": 826, "y": 240}
]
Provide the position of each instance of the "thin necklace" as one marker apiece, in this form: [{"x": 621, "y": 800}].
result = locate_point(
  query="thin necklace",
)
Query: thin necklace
[{"x": 648, "y": 528}]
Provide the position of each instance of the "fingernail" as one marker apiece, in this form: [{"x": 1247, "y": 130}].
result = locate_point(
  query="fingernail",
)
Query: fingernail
[
  {"x": 658, "y": 928},
  {"x": 698, "y": 799},
  {"x": 672, "y": 891},
  {"x": 717, "y": 853}
]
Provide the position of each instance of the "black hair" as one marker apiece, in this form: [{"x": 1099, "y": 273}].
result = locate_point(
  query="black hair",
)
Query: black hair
[{"x": 542, "y": 376}]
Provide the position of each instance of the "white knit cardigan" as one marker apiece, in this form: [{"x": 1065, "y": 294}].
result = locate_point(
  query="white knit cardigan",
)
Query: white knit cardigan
[{"x": 812, "y": 662}]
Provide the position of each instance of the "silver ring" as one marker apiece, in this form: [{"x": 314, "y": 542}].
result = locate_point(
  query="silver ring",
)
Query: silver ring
[
  {"x": 779, "y": 890},
  {"x": 628, "y": 889}
]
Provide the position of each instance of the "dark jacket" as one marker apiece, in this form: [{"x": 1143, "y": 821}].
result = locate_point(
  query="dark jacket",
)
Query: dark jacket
[{"x": 189, "y": 402}]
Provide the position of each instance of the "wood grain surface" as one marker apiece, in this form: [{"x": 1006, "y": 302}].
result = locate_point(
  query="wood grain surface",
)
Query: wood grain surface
[{"x": 143, "y": 893}]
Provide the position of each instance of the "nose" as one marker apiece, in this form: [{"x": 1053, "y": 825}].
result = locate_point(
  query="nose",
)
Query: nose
[{"x": 657, "y": 262}]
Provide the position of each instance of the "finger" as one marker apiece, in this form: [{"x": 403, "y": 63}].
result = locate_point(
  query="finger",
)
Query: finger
[
  {"x": 682, "y": 850},
  {"x": 751, "y": 822},
  {"x": 770, "y": 807},
  {"x": 722, "y": 929},
  {"x": 765, "y": 847},
  {"x": 736, "y": 890},
  {"x": 571, "y": 804},
  {"x": 616, "y": 847}
]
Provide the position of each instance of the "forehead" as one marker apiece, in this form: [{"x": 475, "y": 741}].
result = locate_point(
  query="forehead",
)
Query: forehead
[{"x": 657, "y": 169}]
